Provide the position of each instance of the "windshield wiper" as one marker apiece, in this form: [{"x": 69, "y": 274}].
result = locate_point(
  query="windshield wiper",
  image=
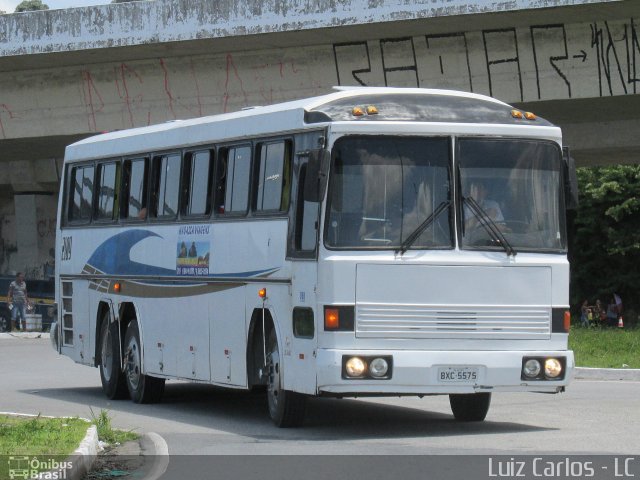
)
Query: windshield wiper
[
  {"x": 489, "y": 225},
  {"x": 404, "y": 246}
]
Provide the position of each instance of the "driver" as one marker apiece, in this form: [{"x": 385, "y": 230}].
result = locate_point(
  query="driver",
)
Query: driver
[{"x": 479, "y": 192}]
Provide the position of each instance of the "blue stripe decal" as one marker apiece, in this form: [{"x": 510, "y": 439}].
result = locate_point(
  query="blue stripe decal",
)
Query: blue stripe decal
[{"x": 113, "y": 257}]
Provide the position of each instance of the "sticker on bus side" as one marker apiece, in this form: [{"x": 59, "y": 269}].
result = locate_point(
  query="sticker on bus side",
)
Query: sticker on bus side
[
  {"x": 192, "y": 254},
  {"x": 192, "y": 258}
]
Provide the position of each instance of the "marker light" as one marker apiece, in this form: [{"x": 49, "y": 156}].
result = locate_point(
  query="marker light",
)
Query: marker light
[
  {"x": 530, "y": 116},
  {"x": 262, "y": 293},
  {"x": 355, "y": 367},
  {"x": 567, "y": 320},
  {"x": 116, "y": 287},
  {"x": 331, "y": 319},
  {"x": 516, "y": 114},
  {"x": 552, "y": 367},
  {"x": 372, "y": 110},
  {"x": 531, "y": 368},
  {"x": 357, "y": 112}
]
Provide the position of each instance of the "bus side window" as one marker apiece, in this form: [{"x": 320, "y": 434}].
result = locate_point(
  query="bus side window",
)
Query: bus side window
[
  {"x": 108, "y": 186},
  {"x": 306, "y": 234},
  {"x": 197, "y": 183},
  {"x": 165, "y": 185},
  {"x": 232, "y": 180},
  {"x": 134, "y": 190},
  {"x": 80, "y": 194},
  {"x": 273, "y": 177}
]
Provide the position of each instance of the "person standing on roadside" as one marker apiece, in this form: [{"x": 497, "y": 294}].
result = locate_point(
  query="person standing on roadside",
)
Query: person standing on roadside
[{"x": 18, "y": 300}]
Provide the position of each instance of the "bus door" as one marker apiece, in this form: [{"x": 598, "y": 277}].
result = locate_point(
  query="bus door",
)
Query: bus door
[{"x": 302, "y": 251}]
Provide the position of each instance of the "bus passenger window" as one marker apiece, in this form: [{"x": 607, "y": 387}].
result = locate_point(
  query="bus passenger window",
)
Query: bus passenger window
[
  {"x": 232, "y": 183},
  {"x": 197, "y": 183},
  {"x": 273, "y": 182},
  {"x": 135, "y": 189},
  {"x": 80, "y": 193},
  {"x": 108, "y": 180},
  {"x": 166, "y": 186}
]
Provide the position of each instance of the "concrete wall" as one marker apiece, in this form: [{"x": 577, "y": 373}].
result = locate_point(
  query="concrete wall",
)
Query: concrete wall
[
  {"x": 27, "y": 232},
  {"x": 516, "y": 64},
  {"x": 162, "y": 21}
]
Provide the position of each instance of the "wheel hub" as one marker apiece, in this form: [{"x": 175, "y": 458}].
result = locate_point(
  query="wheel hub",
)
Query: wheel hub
[
  {"x": 133, "y": 363},
  {"x": 106, "y": 355}
]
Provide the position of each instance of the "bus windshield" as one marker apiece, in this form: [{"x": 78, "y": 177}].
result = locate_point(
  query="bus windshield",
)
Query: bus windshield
[
  {"x": 385, "y": 190},
  {"x": 512, "y": 186},
  {"x": 393, "y": 193}
]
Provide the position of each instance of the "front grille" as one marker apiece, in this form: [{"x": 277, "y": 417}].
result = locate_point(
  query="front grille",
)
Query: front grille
[{"x": 434, "y": 321}]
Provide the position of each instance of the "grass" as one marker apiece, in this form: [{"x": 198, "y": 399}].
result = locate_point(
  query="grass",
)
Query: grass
[
  {"x": 605, "y": 347},
  {"x": 106, "y": 433},
  {"x": 40, "y": 436},
  {"x": 36, "y": 444},
  {"x": 29, "y": 443}
]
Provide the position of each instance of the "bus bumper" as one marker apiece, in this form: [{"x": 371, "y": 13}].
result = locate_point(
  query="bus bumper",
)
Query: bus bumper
[{"x": 421, "y": 372}]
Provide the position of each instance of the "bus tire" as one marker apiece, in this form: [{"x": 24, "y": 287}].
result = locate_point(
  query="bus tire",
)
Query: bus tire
[
  {"x": 112, "y": 377},
  {"x": 286, "y": 408},
  {"x": 470, "y": 407},
  {"x": 142, "y": 388}
]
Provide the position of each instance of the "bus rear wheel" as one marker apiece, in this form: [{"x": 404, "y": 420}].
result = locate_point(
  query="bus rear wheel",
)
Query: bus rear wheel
[
  {"x": 470, "y": 407},
  {"x": 112, "y": 377},
  {"x": 286, "y": 408},
  {"x": 142, "y": 388}
]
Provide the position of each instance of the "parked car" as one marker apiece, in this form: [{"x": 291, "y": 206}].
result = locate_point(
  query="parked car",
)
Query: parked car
[{"x": 41, "y": 295}]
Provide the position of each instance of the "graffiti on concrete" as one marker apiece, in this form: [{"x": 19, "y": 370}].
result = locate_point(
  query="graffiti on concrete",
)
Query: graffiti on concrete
[
  {"x": 46, "y": 228},
  {"x": 551, "y": 61},
  {"x": 514, "y": 64},
  {"x": 5, "y": 112}
]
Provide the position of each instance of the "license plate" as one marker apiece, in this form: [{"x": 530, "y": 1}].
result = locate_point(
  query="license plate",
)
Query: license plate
[{"x": 458, "y": 374}]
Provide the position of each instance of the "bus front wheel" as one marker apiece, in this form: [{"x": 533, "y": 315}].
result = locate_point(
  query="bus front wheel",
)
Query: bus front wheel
[
  {"x": 112, "y": 377},
  {"x": 286, "y": 408},
  {"x": 142, "y": 388},
  {"x": 470, "y": 407}
]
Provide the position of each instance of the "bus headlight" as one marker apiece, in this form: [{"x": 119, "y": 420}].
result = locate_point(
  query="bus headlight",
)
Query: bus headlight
[
  {"x": 532, "y": 368},
  {"x": 355, "y": 367},
  {"x": 378, "y": 367},
  {"x": 552, "y": 367}
]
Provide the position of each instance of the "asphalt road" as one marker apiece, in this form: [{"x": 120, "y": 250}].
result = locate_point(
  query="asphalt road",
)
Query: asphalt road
[{"x": 592, "y": 417}]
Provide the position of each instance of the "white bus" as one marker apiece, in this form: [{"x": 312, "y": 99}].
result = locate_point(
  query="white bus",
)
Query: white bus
[{"x": 368, "y": 242}]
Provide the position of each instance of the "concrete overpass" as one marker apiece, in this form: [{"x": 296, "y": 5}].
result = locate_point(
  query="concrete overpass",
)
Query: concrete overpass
[{"x": 66, "y": 74}]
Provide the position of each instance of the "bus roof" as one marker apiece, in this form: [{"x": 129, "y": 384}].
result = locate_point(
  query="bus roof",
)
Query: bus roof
[{"x": 390, "y": 104}]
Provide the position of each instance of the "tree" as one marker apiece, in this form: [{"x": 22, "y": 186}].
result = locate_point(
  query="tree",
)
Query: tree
[
  {"x": 606, "y": 247},
  {"x": 31, "y": 5}
]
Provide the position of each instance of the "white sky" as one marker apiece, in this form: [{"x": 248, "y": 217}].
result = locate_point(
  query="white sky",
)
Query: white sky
[{"x": 9, "y": 6}]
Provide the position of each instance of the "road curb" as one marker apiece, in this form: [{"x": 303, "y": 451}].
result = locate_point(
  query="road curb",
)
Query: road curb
[
  {"x": 155, "y": 447},
  {"x": 81, "y": 460},
  {"x": 6, "y": 335},
  {"x": 612, "y": 374}
]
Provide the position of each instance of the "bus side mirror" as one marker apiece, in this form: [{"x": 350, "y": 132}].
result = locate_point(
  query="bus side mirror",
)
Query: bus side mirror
[
  {"x": 570, "y": 181},
  {"x": 315, "y": 181}
]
